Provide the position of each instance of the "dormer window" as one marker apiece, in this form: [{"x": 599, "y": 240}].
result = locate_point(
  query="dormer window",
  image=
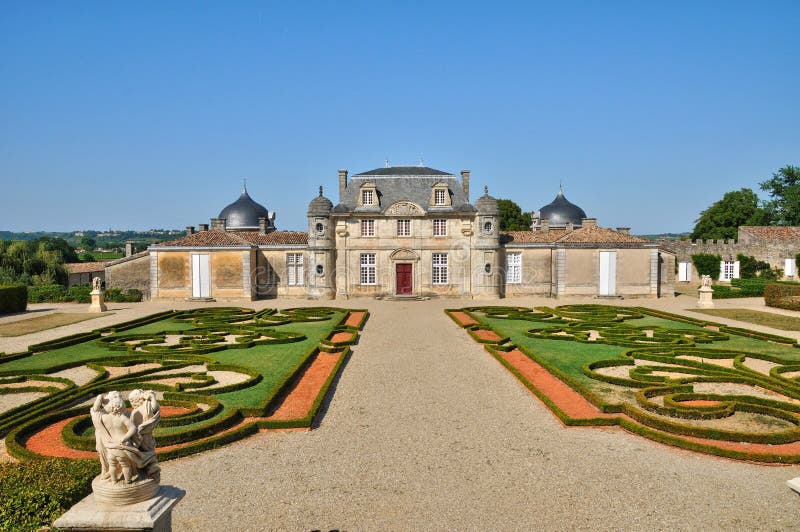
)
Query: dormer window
[
  {"x": 440, "y": 195},
  {"x": 368, "y": 196}
]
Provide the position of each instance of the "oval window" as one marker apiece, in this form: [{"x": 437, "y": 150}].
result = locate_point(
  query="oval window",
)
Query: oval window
[
  {"x": 320, "y": 228},
  {"x": 320, "y": 269},
  {"x": 487, "y": 227},
  {"x": 488, "y": 268}
]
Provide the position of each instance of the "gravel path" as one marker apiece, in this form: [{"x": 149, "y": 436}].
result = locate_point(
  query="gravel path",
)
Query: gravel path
[{"x": 427, "y": 431}]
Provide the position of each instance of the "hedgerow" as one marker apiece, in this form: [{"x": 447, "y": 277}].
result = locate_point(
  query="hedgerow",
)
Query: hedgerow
[
  {"x": 13, "y": 299},
  {"x": 664, "y": 377}
]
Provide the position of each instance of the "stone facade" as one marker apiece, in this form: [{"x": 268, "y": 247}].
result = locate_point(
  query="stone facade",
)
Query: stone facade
[
  {"x": 774, "y": 245},
  {"x": 131, "y": 272},
  {"x": 405, "y": 232}
]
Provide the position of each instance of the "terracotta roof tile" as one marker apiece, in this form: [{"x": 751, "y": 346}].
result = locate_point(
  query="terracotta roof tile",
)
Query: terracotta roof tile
[
  {"x": 218, "y": 237},
  {"x": 773, "y": 233},
  {"x": 85, "y": 267},
  {"x": 583, "y": 235}
]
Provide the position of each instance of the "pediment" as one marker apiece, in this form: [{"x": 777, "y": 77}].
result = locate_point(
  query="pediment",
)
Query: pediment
[
  {"x": 404, "y": 254},
  {"x": 404, "y": 208}
]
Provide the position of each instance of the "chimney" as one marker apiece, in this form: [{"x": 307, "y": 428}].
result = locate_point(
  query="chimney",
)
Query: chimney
[
  {"x": 203, "y": 227},
  {"x": 465, "y": 183},
  {"x": 589, "y": 222},
  {"x": 342, "y": 184},
  {"x": 130, "y": 249},
  {"x": 262, "y": 226},
  {"x": 569, "y": 227},
  {"x": 624, "y": 230},
  {"x": 189, "y": 230},
  {"x": 218, "y": 223},
  {"x": 545, "y": 225}
]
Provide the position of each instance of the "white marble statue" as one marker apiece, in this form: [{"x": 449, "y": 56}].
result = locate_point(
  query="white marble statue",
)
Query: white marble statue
[
  {"x": 96, "y": 284},
  {"x": 705, "y": 281},
  {"x": 125, "y": 441}
]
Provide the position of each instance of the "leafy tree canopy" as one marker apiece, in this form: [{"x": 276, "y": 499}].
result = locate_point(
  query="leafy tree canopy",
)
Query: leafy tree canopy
[
  {"x": 784, "y": 189},
  {"x": 511, "y": 216},
  {"x": 723, "y": 218}
]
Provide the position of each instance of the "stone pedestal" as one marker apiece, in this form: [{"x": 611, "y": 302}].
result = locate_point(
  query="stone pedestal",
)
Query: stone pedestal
[
  {"x": 705, "y": 300},
  {"x": 794, "y": 484},
  {"x": 154, "y": 514},
  {"x": 98, "y": 301}
]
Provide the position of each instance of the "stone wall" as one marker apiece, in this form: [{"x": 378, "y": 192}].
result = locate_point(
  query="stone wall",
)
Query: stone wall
[{"x": 129, "y": 273}]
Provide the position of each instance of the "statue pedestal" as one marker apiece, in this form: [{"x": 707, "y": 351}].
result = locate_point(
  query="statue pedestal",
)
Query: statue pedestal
[
  {"x": 705, "y": 300},
  {"x": 98, "y": 301},
  {"x": 154, "y": 514}
]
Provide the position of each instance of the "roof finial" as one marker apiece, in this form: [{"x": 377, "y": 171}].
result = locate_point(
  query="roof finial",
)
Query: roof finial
[
  {"x": 421, "y": 162},
  {"x": 244, "y": 185},
  {"x": 486, "y": 189},
  {"x": 560, "y": 187},
  {"x": 387, "y": 163},
  {"x": 320, "y": 191}
]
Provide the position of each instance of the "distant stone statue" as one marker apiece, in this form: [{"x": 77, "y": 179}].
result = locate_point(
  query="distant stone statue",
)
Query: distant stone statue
[
  {"x": 706, "y": 293},
  {"x": 98, "y": 296},
  {"x": 126, "y": 447}
]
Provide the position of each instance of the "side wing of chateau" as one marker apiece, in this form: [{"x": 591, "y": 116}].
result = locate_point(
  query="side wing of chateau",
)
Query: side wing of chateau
[{"x": 406, "y": 231}]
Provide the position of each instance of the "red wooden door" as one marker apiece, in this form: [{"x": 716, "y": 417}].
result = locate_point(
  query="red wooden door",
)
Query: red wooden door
[{"x": 404, "y": 282}]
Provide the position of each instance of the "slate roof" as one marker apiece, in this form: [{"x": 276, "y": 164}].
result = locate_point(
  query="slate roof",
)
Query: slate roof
[
  {"x": 220, "y": 238},
  {"x": 561, "y": 211},
  {"x": 244, "y": 213},
  {"x": 416, "y": 189},
  {"x": 85, "y": 267},
  {"x": 395, "y": 171},
  {"x": 583, "y": 235},
  {"x": 772, "y": 233}
]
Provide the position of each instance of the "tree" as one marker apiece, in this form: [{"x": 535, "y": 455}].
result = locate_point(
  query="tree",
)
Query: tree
[
  {"x": 88, "y": 243},
  {"x": 723, "y": 218},
  {"x": 784, "y": 189},
  {"x": 511, "y": 216}
]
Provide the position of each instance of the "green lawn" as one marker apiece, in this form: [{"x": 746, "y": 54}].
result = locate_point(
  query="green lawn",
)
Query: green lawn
[
  {"x": 42, "y": 323},
  {"x": 767, "y": 319}
]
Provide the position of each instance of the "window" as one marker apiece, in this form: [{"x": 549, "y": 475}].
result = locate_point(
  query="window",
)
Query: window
[
  {"x": 367, "y": 197},
  {"x": 367, "y": 227},
  {"x": 320, "y": 228},
  {"x": 514, "y": 268},
  {"x": 294, "y": 266},
  {"x": 790, "y": 269},
  {"x": 440, "y": 227},
  {"x": 439, "y": 196},
  {"x": 439, "y": 262},
  {"x": 728, "y": 270},
  {"x": 367, "y": 268},
  {"x": 403, "y": 227},
  {"x": 487, "y": 226},
  {"x": 684, "y": 271}
]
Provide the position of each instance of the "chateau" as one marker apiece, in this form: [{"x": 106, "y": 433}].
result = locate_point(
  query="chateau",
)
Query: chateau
[{"x": 405, "y": 231}]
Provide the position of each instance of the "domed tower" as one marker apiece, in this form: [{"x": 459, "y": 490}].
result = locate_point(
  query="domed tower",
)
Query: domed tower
[
  {"x": 561, "y": 212},
  {"x": 244, "y": 214},
  {"x": 321, "y": 241},
  {"x": 486, "y": 259}
]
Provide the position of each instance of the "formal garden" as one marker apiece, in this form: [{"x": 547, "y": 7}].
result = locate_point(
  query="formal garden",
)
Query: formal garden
[
  {"x": 681, "y": 381},
  {"x": 221, "y": 374}
]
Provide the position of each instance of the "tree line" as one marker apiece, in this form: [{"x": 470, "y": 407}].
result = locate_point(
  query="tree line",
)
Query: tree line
[
  {"x": 743, "y": 207},
  {"x": 35, "y": 262}
]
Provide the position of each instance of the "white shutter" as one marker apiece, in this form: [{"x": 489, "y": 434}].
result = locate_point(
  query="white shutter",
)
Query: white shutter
[
  {"x": 608, "y": 273},
  {"x": 722, "y": 271},
  {"x": 684, "y": 271},
  {"x": 736, "y": 270},
  {"x": 789, "y": 268}
]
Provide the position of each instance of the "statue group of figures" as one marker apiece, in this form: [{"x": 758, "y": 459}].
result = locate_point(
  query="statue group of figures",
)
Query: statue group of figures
[{"x": 125, "y": 440}]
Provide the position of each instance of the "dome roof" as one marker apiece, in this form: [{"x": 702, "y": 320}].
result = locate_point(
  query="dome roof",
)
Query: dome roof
[
  {"x": 487, "y": 204},
  {"x": 320, "y": 205},
  {"x": 561, "y": 212},
  {"x": 244, "y": 213}
]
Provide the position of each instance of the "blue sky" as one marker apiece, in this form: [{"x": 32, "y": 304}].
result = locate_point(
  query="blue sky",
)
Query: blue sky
[{"x": 149, "y": 114}]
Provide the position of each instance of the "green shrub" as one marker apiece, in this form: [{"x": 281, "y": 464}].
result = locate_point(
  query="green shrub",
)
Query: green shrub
[
  {"x": 115, "y": 295},
  {"x": 34, "y": 493},
  {"x": 750, "y": 267},
  {"x": 79, "y": 294},
  {"x": 13, "y": 299},
  {"x": 782, "y": 295},
  {"x": 47, "y": 293},
  {"x": 707, "y": 264}
]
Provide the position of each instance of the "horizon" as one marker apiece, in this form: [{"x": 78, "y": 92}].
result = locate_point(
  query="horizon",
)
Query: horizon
[{"x": 151, "y": 115}]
